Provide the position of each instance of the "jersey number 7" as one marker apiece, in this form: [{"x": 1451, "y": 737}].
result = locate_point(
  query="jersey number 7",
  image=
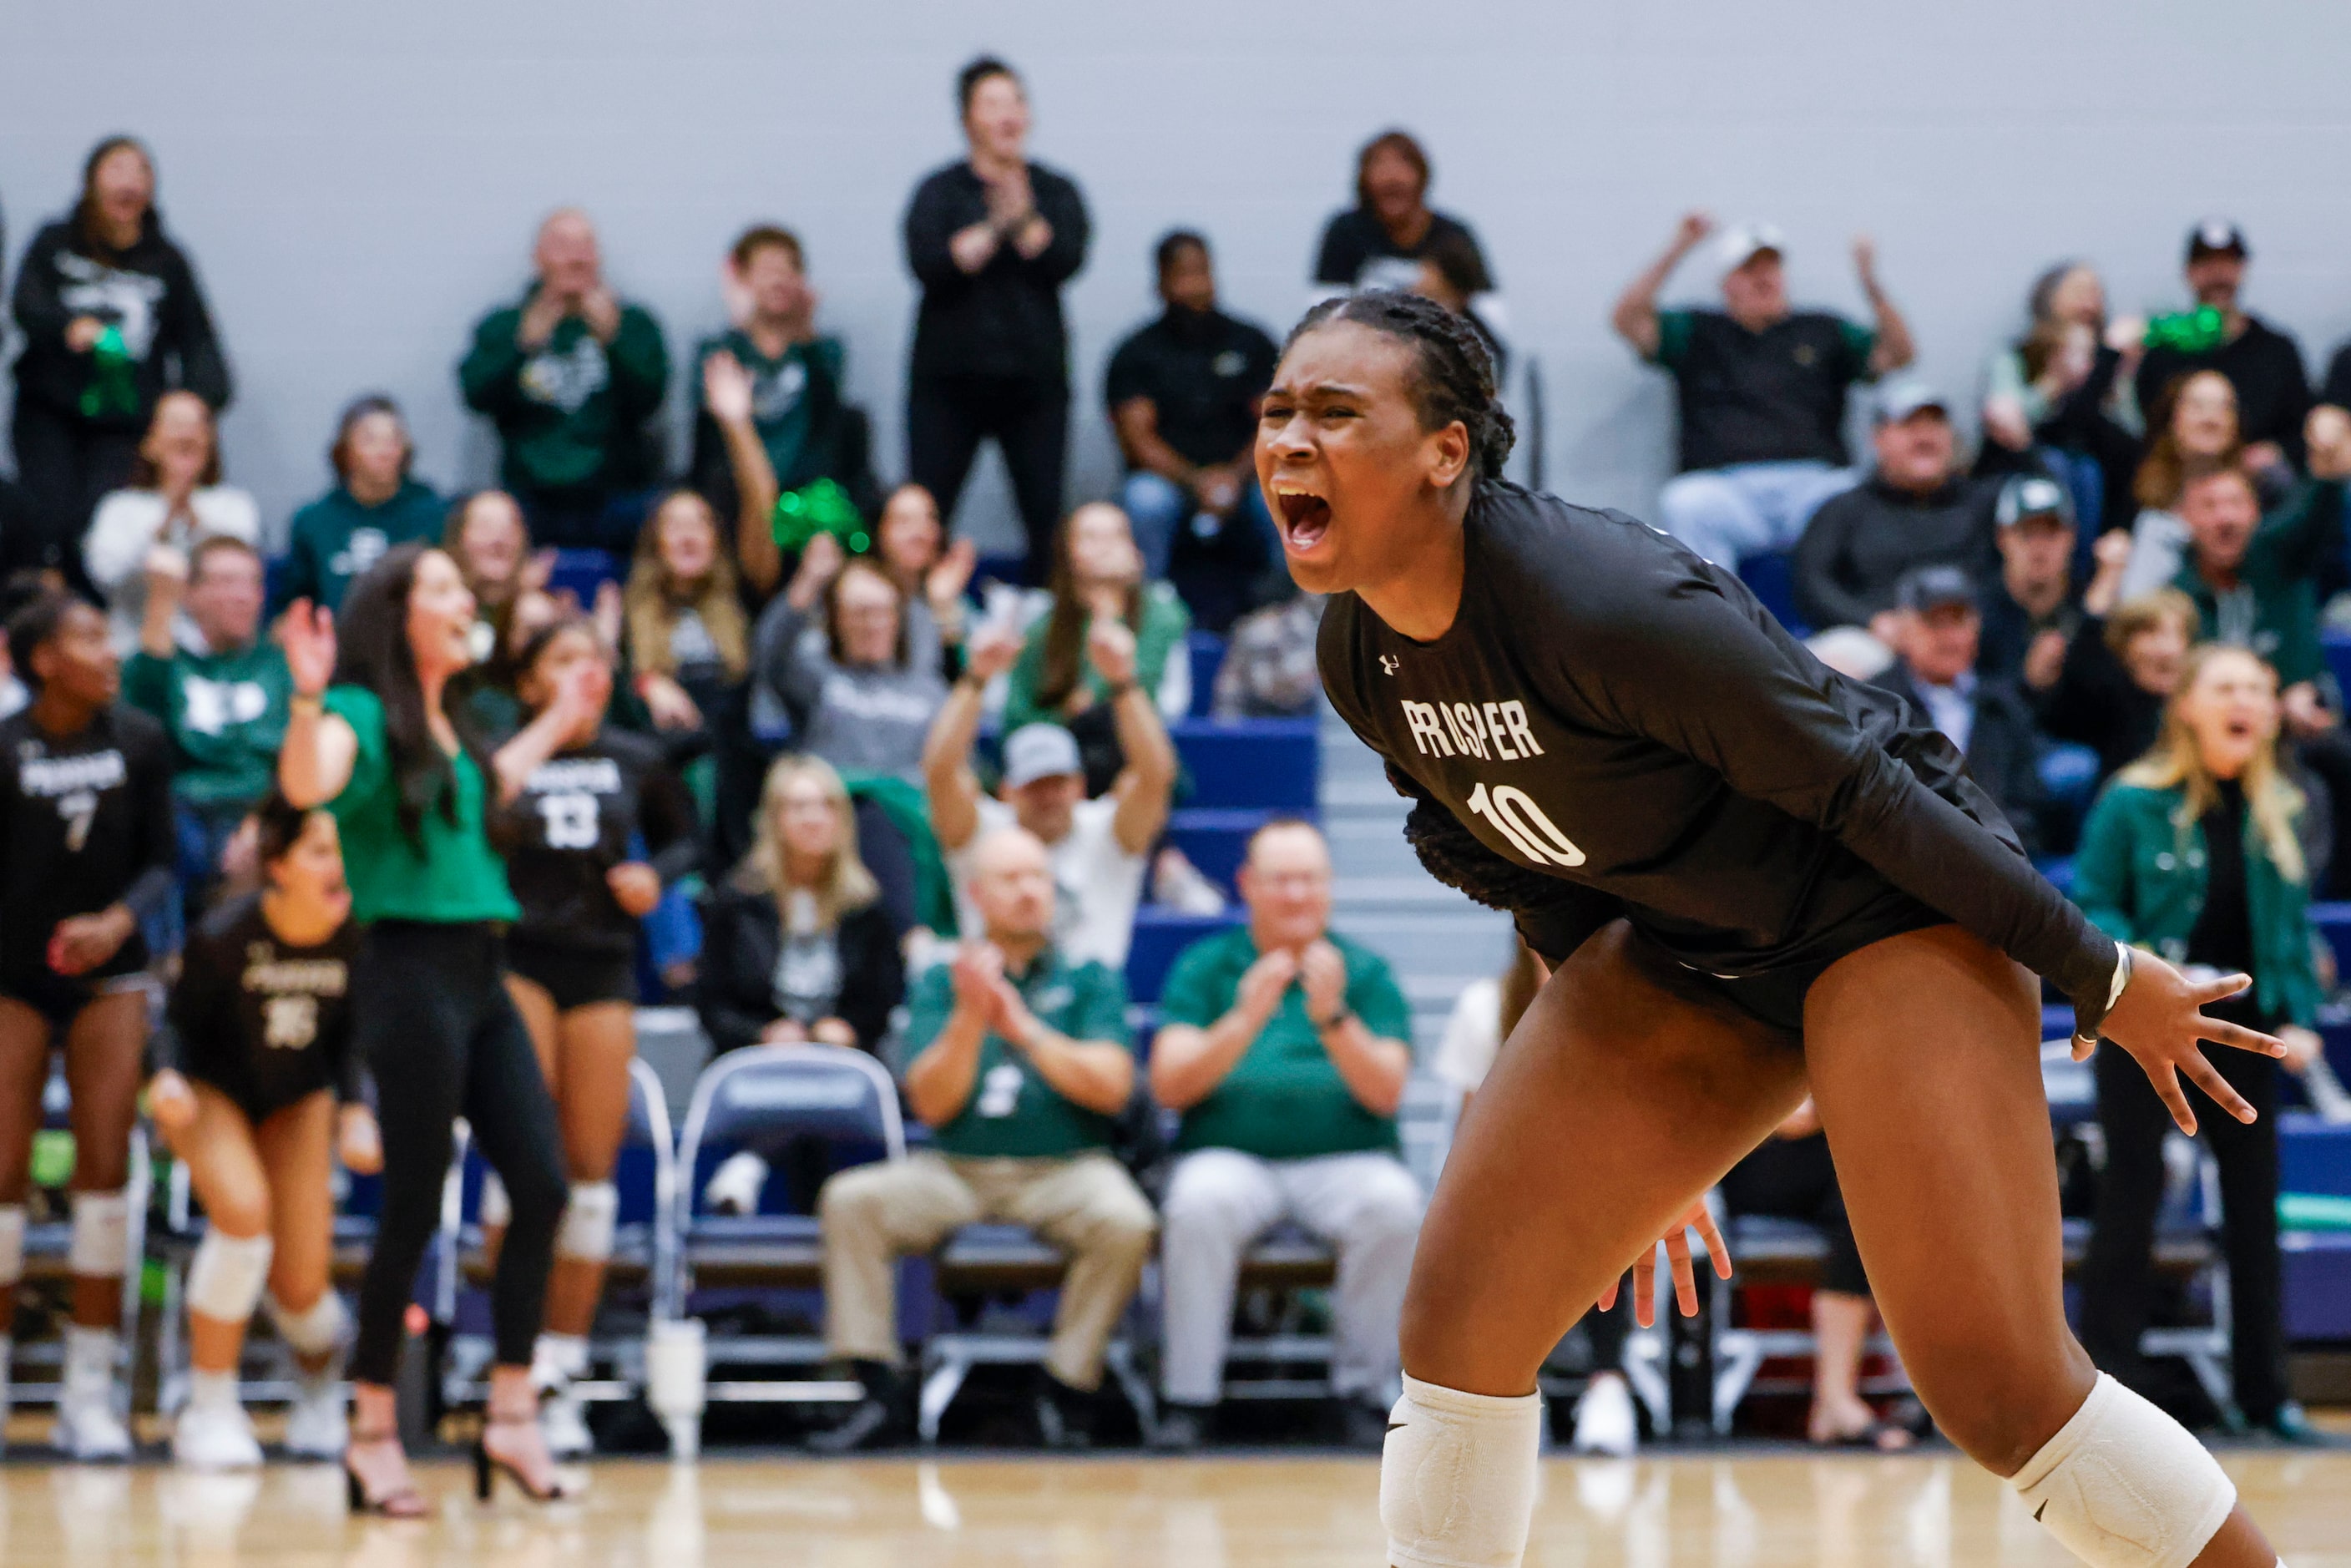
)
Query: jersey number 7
[
  {"x": 79, "y": 810},
  {"x": 1521, "y": 822}
]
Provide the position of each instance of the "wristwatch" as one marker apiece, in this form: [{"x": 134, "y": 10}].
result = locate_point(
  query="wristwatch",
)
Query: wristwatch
[{"x": 1333, "y": 1021}]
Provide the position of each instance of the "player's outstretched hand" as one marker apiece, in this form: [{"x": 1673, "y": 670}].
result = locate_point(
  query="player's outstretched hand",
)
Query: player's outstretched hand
[
  {"x": 2159, "y": 1020},
  {"x": 1677, "y": 1256}
]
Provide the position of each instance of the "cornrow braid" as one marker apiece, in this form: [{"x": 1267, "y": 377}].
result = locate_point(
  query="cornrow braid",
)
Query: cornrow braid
[{"x": 1455, "y": 373}]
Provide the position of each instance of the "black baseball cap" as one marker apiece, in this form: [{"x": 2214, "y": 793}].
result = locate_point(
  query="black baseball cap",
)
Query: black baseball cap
[
  {"x": 1924, "y": 587},
  {"x": 2217, "y": 236}
]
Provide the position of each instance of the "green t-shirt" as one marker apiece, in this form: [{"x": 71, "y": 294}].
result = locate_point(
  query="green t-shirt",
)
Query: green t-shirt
[
  {"x": 1013, "y": 1112},
  {"x": 1283, "y": 1100},
  {"x": 225, "y": 714},
  {"x": 792, "y": 397},
  {"x": 456, "y": 878},
  {"x": 1157, "y": 640},
  {"x": 335, "y": 539}
]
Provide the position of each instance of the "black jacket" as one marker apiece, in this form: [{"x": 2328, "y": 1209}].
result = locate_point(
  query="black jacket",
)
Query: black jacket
[
  {"x": 2265, "y": 367},
  {"x": 2096, "y": 703},
  {"x": 742, "y": 936},
  {"x": 1860, "y": 543},
  {"x": 150, "y": 291},
  {"x": 2003, "y": 752},
  {"x": 1004, "y": 319}
]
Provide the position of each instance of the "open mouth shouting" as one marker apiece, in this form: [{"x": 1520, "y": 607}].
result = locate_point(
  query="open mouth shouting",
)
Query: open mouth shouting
[{"x": 1304, "y": 515}]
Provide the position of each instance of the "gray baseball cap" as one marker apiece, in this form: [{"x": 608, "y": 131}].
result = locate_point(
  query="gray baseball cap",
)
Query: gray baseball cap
[
  {"x": 1924, "y": 587},
  {"x": 1898, "y": 399},
  {"x": 1036, "y": 751},
  {"x": 2033, "y": 496}
]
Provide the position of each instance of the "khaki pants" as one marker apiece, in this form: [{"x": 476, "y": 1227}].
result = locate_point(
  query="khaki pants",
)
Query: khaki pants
[{"x": 1086, "y": 1205}]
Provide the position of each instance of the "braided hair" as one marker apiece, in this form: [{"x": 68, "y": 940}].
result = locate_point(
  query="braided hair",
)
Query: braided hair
[{"x": 1453, "y": 369}]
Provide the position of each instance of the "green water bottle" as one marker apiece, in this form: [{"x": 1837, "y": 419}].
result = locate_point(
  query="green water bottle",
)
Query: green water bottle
[
  {"x": 2197, "y": 331},
  {"x": 113, "y": 389},
  {"x": 820, "y": 506}
]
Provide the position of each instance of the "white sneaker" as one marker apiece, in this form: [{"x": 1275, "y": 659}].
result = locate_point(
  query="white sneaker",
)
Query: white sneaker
[
  {"x": 1604, "y": 1422},
  {"x": 86, "y": 1425},
  {"x": 317, "y": 1425},
  {"x": 734, "y": 1186},
  {"x": 563, "y": 1421},
  {"x": 215, "y": 1437}
]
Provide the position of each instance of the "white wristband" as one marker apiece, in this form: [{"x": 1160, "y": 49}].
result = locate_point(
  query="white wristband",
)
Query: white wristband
[{"x": 2114, "y": 989}]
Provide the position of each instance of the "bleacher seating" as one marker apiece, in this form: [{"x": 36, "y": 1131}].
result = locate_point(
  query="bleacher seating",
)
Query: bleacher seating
[
  {"x": 1160, "y": 935},
  {"x": 1215, "y": 840},
  {"x": 1250, "y": 764}
]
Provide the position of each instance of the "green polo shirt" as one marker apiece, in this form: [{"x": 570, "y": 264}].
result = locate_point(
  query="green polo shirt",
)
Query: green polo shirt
[
  {"x": 225, "y": 714},
  {"x": 448, "y": 874},
  {"x": 1283, "y": 1100},
  {"x": 1013, "y": 1112}
]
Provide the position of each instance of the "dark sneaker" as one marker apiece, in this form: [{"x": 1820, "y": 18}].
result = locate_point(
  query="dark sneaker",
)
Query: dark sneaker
[
  {"x": 884, "y": 1419},
  {"x": 1065, "y": 1415},
  {"x": 1184, "y": 1428},
  {"x": 2291, "y": 1425}
]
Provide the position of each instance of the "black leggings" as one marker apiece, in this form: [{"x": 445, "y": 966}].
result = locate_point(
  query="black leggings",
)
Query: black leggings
[
  {"x": 948, "y": 416},
  {"x": 66, "y": 464},
  {"x": 443, "y": 1039}
]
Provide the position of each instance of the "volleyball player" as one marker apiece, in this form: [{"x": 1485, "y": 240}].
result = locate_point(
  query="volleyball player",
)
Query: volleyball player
[
  {"x": 255, "y": 1085},
  {"x": 86, "y": 846},
  {"x": 1751, "y": 877},
  {"x": 577, "y": 798},
  {"x": 393, "y": 761}
]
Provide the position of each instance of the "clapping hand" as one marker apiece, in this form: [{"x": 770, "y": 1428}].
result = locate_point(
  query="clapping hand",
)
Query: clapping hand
[
  {"x": 1677, "y": 1256},
  {"x": 307, "y": 636},
  {"x": 1264, "y": 983},
  {"x": 951, "y": 573},
  {"x": 1323, "y": 972},
  {"x": 636, "y": 888}
]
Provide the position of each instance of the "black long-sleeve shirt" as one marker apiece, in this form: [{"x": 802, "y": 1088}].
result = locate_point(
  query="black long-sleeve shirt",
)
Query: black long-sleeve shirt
[
  {"x": 1611, "y": 727},
  {"x": 1004, "y": 321},
  {"x": 85, "y": 821},
  {"x": 2265, "y": 367},
  {"x": 1859, "y": 544},
  {"x": 148, "y": 292},
  {"x": 579, "y": 815}
]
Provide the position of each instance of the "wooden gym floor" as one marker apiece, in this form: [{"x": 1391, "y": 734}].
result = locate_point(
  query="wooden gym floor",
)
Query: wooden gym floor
[{"x": 1752, "y": 1510}]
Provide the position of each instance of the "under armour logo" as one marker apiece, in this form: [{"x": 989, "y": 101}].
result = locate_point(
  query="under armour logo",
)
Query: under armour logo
[{"x": 1388, "y": 662}]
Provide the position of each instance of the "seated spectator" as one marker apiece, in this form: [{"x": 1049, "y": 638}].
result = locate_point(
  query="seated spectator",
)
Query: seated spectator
[
  {"x": 1020, "y": 1059},
  {"x": 223, "y": 702},
  {"x": 113, "y": 318},
  {"x": 1762, "y": 389},
  {"x": 910, "y": 543},
  {"x": 1270, "y": 670},
  {"x": 1379, "y": 242},
  {"x": 2192, "y": 853},
  {"x": 2118, "y": 674},
  {"x": 572, "y": 377},
  {"x": 2030, "y": 611},
  {"x": 796, "y": 409},
  {"x": 375, "y": 504},
  {"x": 1937, "y": 628},
  {"x": 1183, "y": 394},
  {"x": 1790, "y": 1176},
  {"x": 1448, "y": 275},
  {"x": 2195, "y": 434},
  {"x": 2062, "y": 397},
  {"x": 175, "y": 497},
  {"x": 490, "y": 542},
  {"x": 1100, "y": 847},
  {"x": 1098, "y": 582},
  {"x": 2263, "y": 364},
  {"x": 849, "y": 679},
  {"x": 1284, "y": 1047},
  {"x": 2252, "y": 575},
  {"x": 797, "y": 945},
  {"x": 1916, "y": 508}
]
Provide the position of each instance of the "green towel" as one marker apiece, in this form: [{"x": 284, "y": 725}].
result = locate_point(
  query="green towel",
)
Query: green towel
[{"x": 910, "y": 813}]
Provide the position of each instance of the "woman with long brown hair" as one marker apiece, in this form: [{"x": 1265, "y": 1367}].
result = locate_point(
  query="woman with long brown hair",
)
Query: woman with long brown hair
[{"x": 2195, "y": 433}]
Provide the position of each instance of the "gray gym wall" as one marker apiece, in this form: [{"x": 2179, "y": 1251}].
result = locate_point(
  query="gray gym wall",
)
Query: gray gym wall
[{"x": 358, "y": 183}]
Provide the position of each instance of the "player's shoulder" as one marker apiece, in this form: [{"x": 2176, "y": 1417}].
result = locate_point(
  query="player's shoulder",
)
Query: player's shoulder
[
  {"x": 1536, "y": 552},
  {"x": 229, "y": 923},
  {"x": 135, "y": 729}
]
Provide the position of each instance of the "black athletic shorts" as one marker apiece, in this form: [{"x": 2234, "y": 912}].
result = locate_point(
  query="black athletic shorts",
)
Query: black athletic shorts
[
  {"x": 58, "y": 998},
  {"x": 1777, "y": 996},
  {"x": 574, "y": 976},
  {"x": 259, "y": 1100}
]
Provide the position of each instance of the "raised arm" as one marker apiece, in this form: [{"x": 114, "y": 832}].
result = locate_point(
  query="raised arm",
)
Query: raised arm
[
  {"x": 1635, "y": 313},
  {"x": 586, "y": 687},
  {"x": 947, "y": 779},
  {"x": 320, "y": 749},
  {"x": 1147, "y": 782},
  {"x": 1894, "y": 348},
  {"x": 727, "y": 397}
]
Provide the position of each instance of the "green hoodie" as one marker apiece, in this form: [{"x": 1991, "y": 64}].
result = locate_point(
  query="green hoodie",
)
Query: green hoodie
[
  {"x": 337, "y": 537},
  {"x": 571, "y": 414},
  {"x": 225, "y": 714}
]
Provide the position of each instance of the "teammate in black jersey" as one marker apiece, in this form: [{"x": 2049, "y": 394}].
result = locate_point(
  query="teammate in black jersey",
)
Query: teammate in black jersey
[
  {"x": 577, "y": 799},
  {"x": 86, "y": 849},
  {"x": 252, "y": 1062},
  {"x": 1751, "y": 877}
]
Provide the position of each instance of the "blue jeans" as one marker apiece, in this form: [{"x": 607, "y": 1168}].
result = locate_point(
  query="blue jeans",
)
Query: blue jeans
[
  {"x": 1747, "y": 508},
  {"x": 1157, "y": 507}
]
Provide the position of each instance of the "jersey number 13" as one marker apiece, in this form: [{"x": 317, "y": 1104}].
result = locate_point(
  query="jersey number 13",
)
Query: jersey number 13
[{"x": 1521, "y": 822}]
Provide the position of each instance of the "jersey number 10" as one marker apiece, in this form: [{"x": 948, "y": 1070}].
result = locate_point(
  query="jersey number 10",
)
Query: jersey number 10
[{"x": 1521, "y": 822}]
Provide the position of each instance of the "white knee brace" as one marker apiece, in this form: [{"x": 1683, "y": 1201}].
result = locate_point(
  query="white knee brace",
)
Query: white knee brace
[
  {"x": 1457, "y": 1477},
  {"x": 494, "y": 1211},
  {"x": 588, "y": 1221},
  {"x": 316, "y": 1329},
  {"x": 225, "y": 1280},
  {"x": 101, "y": 1235},
  {"x": 12, "y": 1245},
  {"x": 2122, "y": 1485}
]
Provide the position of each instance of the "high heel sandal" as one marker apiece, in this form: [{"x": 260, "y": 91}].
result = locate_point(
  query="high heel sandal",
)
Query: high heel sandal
[
  {"x": 488, "y": 1466},
  {"x": 404, "y": 1501}
]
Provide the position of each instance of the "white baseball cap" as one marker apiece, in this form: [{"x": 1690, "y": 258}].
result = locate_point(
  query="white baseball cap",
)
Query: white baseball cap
[
  {"x": 1742, "y": 243},
  {"x": 1036, "y": 751}
]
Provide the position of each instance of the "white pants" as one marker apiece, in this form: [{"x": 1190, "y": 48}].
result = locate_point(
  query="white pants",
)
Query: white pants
[
  {"x": 1219, "y": 1201},
  {"x": 1747, "y": 508}
]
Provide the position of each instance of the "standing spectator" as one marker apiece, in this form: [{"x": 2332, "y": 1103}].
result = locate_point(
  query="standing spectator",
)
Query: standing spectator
[
  {"x": 2031, "y": 611},
  {"x": 2195, "y": 435},
  {"x": 2063, "y": 395},
  {"x": 1285, "y": 1047},
  {"x": 2262, "y": 363},
  {"x": 1183, "y": 393},
  {"x": 856, "y": 693},
  {"x": 113, "y": 317},
  {"x": 1762, "y": 389},
  {"x": 1916, "y": 508},
  {"x": 572, "y": 376},
  {"x": 992, "y": 238},
  {"x": 174, "y": 497},
  {"x": 1100, "y": 848},
  {"x": 222, "y": 704},
  {"x": 1021, "y": 1058},
  {"x": 806, "y": 430},
  {"x": 1098, "y": 580},
  {"x": 1381, "y": 241},
  {"x": 2192, "y": 853},
  {"x": 376, "y": 504}
]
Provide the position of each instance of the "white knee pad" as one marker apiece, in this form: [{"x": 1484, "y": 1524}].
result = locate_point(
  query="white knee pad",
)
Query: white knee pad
[
  {"x": 496, "y": 1212},
  {"x": 101, "y": 1235},
  {"x": 225, "y": 1280},
  {"x": 12, "y": 1244},
  {"x": 316, "y": 1329},
  {"x": 588, "y": 1221},
  {"x": 2122, "y": 1485},
  {"x": 1457, "y": 1477}
]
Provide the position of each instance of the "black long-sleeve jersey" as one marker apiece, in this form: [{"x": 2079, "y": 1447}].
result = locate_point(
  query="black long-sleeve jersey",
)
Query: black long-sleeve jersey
[
  {"x": 264, "y": 1021},
  {"x": 1612, "y": 727},
  {"x": 575, "y": 820},
  {"x": 85, "y": 821}
]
